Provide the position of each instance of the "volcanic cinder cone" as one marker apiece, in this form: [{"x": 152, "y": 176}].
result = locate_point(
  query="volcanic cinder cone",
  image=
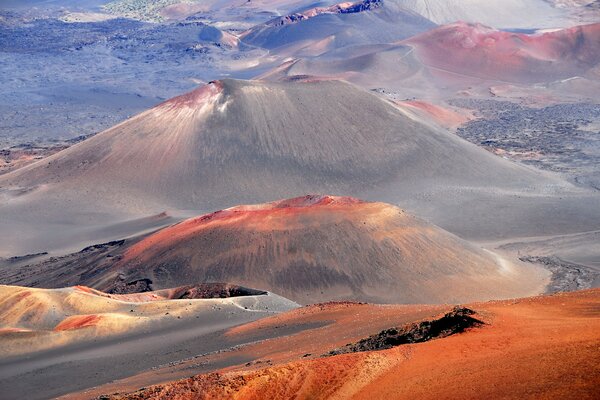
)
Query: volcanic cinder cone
[{"x": 319, "y": 248}]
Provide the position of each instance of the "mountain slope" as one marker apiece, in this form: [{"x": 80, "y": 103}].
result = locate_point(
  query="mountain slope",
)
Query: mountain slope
[
  {"x": 39, "y": 319},
  {"x": 81, "y": 337},
  {"x": 497, "y": 13},
  {"x": 242, "y": 142},
  {"x": 458, "y": 56},
  {"x": 483, "y": 52}
]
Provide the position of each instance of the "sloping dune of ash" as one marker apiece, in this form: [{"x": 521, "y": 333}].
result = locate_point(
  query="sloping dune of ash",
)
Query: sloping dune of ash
[
  {"x": 40, "y": 319},
  {"x": 318, "y": 248},
  {"x": 243, "y": 142},
  {"x": 317, "y": 30},
  {"x": 522, "y": 348},
  {"x": 479, "y": 51},
  {"x": 390, "y": 65}
]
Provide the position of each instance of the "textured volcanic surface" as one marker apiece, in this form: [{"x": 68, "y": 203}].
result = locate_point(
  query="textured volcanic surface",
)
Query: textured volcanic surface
[
  {"x": 319, "y": 248},
  {"x": 210, "y": 344},
  {"x": 242, "y": 142},
  {"x": 478, "y": 51},
  {"x": 41, "y": 319},
  {"x": 524, "y": 350}
]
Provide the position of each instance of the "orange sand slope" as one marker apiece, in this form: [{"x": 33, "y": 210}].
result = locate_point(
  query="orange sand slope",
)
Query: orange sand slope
[{"x": 543, "y": 347}]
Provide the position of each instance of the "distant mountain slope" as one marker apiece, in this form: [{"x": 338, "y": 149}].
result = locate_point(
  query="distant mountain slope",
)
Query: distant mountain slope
[
  {"x": 459, "y": 55},
  {"x": 320, "y": 29},
  {"x": 392, "y": 66},
  {"x": 309, "y": 249},
  {"x": 233, "y": 140},
  {"x": 34, "y": 320},
  {"x": 479, "y": 51},
  {"x": 497, "y": 13},
  {"x": 231, "y": 12}
]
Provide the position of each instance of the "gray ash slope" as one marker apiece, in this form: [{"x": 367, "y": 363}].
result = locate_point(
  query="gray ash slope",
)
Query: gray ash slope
[
  {"x": 242, "y": 142},
  {"x": 365, "y": 22}
]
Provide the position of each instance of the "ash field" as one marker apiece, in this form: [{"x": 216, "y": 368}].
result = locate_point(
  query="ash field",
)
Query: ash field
[{"x": 249, "y": 199}]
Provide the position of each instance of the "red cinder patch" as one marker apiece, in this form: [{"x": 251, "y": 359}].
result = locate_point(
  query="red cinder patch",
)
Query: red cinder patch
[
  {"x": 258, "y": 212},
  {"x": 23, "y": 295},
  {"x": 78, "y": 322},
  {"x": 195, "y": 97}
]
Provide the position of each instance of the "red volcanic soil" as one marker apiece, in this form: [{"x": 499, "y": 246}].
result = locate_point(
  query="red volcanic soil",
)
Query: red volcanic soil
[
  {"x": 542, "y": 347},
  {"x": 443, "y": 116},
  {"x": 479, "y": 51},
  {"x": 196, "y": 98},
  {"x": 261, "y": 217},
  {"x": 86, "y": 289},
  {"x": 78, "y": 322}
]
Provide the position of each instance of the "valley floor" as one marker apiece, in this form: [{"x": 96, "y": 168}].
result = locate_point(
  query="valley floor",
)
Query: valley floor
[{"x": 525, "y": 349}]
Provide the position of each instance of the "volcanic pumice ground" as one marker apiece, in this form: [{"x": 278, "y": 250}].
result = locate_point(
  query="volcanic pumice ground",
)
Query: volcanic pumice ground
[{"x": 299, "y": 199}]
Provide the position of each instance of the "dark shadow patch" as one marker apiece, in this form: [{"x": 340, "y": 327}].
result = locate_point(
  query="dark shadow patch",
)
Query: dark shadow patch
[
  {"x": 456, "y": 321},
  {"x": 103, "y": 246},
  {"x": 137, "y": 286}
]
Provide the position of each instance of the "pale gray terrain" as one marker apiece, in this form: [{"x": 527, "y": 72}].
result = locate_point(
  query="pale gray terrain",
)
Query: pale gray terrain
[
  {"x": 100, "y": 73},
  {"x": 576, "y": 251},
  {"x": 496, "y": 13},
  {"x": 563, "y": 138}
]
